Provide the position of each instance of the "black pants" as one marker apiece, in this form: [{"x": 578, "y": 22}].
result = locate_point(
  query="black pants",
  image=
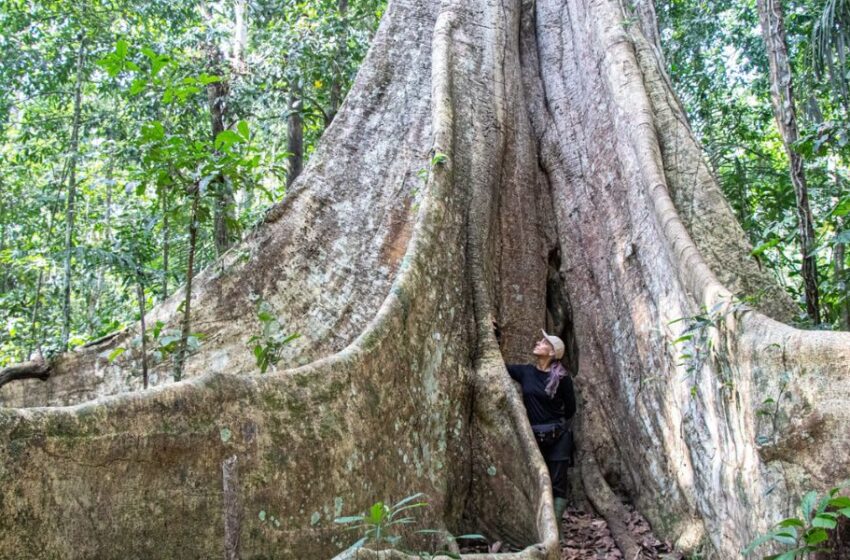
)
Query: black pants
[
  {"x": 559, "y": 457},
  {"x": 558, "y": 474}
]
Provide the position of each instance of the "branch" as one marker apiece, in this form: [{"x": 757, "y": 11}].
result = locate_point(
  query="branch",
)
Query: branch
[
  {"x": 317, "y": 106},
  {"x": 35, "y": 369}
]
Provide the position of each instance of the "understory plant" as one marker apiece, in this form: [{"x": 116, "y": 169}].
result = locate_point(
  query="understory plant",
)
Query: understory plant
[
  {"x": 380, "y": 527},
  {"x": 268, "y": 345},
  {"x": 807, "y": 535}
]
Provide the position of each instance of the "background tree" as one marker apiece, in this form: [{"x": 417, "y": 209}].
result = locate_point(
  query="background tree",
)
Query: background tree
[{"x": 782, "y": 95}]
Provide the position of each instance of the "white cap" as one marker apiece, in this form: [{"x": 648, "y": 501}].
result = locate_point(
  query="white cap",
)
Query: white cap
[{"x": 556, "y": 343}]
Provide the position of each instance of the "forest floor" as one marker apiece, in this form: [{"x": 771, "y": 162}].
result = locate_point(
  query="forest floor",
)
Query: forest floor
[{"x": 587, "y": 537}]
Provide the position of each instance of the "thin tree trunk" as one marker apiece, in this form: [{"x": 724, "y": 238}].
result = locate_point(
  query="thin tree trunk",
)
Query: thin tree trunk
[
  {"x": 33, "y": 338},
  {"x": 185, "y": 324},
  {"x": 69, "y": 207},
  {"x": 217, "y": 102},
  {"x": 140, "y": 296},
  {"x": 165, "y": 239},
  {"x": 295, "y": 136},
  {"x": 240, "y": 37},
  {"x": 782, "y": 96},
  {"x": 4, "y": 279},
  {"x": 94, "y": 300},
  {"x": 336, "y": 85},
  {"x": 838, "y": 255}
]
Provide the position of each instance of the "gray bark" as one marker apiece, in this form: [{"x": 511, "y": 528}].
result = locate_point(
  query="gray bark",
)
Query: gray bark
[
  {"x": 782, "y": 96},
  {"x": 839, "y": 279},
  {"x": 186, "y": 314},
  {"x": 223, "y": 216},
  {"x": 232, "y": 510},
  {"x": 295, "y": 136},
  {"x": 70, "y": 202},
  {"x": 569, "y": 188}
]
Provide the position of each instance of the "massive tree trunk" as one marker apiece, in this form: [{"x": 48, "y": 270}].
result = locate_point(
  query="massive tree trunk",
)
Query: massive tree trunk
[{"x": 564, "y": 189}]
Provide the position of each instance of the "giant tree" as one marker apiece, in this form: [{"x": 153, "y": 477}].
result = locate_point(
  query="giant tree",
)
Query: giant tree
[{"x": 519, "y": 161}]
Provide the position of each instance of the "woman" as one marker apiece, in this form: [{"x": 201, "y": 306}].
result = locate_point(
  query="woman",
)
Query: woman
[{"x": 547, "y": 391}]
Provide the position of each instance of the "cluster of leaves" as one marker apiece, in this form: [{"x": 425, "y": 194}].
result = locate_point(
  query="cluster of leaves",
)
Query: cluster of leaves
[
  {"x": 695, "y": 340},
  {"x": 806, "y": 535},
  {"x": 268, "y": 345}
]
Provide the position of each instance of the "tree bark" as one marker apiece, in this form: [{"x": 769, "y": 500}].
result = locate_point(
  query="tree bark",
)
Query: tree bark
[
  {"x": 71, "y": 195},
  {"x": 839, "y": 279},
  {"x": 782, "y": 96},
  {"x": 295, "y": 135},
  {"x": 223, "y": 215},
  {"x": 94, "y": 299},
  {"x": 239, "y": 42},
  {"x": 140, "y": 299},
  {"x": 166, "y": 233},
  {"x": 336, "y": 83},
  {"x": 550, "y": 139},
  {"x": 186, "y": 320}
]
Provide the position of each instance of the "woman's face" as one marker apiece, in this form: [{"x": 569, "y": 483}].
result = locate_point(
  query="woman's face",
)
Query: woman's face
[{"x": 543, "y": 349}]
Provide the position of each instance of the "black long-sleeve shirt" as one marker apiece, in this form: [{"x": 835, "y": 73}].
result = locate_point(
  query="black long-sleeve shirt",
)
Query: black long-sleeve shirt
[{"x": 541, "y": 408}]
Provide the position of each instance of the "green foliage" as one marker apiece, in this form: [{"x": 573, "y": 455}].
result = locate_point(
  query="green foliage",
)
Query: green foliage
[
  {"x": 381, "y": 526},
  {"x": 695, "y": 340},
  {"x": 717, "y": 62},
  {"x": 805, "y": 536},
  {"x": 146, "y": 144},
  {"x": 268, "y": 345}
]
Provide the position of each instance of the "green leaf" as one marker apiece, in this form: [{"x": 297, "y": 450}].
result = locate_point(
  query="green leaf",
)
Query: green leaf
[
  {"x": 226, "y": 138},
  {"x": 348, "y": 519},
  {"x": 765, "y": 246},
  {"x": 815, "y": 536},
  {"x": 408, "y": 499},
  {"x": 242, "y": 127},
  {"x": 791, "y": 522},
  {"x": 115, "y": 353},
  {"x": 265, "y": 316},
  {"x": 377, "y": 513},
  {"x": 825, "y": 521},
  {"x": 137, "y": 86},
  {"x": 439, "y": 158},
  {"x": 121, "y": 47},
  {"x": 807, "y": 504},
  {"x": 757, "y": 542},
  {"x": 206, "y": 79},
  {"x": 290, "y": 338},
  {"x": 787, "y": 555},
  {"x": 842, "y": 208},
  {"x": 262, "y": 515},
  {"x": 787, "y": 536},
  {"x": 153, "y": 131}
]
